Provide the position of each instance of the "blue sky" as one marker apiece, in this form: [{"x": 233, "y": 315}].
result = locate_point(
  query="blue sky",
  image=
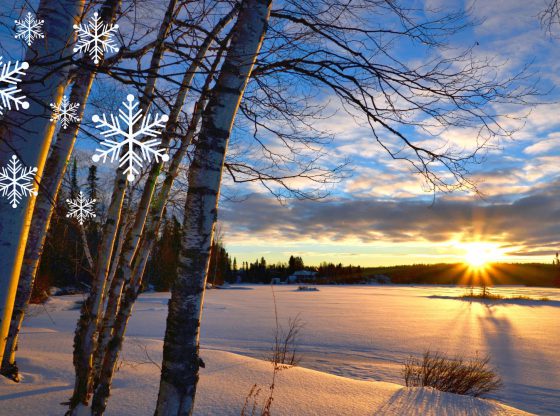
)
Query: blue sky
[{"x": 380, "y": 212}]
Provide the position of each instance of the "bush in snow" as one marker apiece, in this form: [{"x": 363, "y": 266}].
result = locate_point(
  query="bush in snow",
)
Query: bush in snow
[
  {"x": 456, "y": 375},
  {"x": 307, "y": 289},
  {"x": 283, "y": 352}
]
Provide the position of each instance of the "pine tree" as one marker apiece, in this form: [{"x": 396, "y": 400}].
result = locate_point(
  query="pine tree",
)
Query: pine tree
[
  {"x": 92, "y": 186},
  {"x": 74, "y": 187}
]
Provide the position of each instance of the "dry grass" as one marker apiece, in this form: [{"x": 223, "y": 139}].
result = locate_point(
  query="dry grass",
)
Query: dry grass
[
  {"x": 487, "y": 295},
  {"x": 471, "y": 377},
  {"x": 284, "y": 349},
  {"x": 283, "y": 355},
  {"x": 251, "y": 406}
]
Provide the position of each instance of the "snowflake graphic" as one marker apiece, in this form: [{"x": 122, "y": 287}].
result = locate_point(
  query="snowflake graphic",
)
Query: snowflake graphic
[
  {"x": 29, "y": 29},
  {"x": 96, "y": 38},
  {"x": 16, "y": 181},
  {"x": 126, "y": 151},
  {"x": 81, "y": 208},
  {"x": 66, "y": 112},
  {"x": 12, "y": 75}
]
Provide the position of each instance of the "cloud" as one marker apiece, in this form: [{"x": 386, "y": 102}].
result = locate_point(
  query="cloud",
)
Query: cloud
[
  {"x": 552, "y": 143},
  {"x": 528, "y": 225}
]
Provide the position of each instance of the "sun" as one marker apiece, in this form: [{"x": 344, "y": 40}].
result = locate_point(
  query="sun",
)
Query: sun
[{"x": 478, "y": 255}]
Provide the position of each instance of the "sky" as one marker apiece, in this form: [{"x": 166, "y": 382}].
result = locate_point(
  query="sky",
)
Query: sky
[{"x": 379, "y": 212}]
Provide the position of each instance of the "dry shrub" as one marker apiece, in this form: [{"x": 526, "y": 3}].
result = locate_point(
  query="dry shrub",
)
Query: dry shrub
[
  {"x": 472, "y": 377},
  {"x": 284, "y": 349},
  {"x": 283, "y": 355},
  {"x": 253, "y": 397}
]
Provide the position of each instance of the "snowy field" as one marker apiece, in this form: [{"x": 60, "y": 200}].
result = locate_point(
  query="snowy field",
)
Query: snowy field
[{"x": 359, "y": 333}]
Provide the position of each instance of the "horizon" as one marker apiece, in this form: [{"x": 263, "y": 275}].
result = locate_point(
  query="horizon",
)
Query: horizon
[{"x": 315, "y": 265}]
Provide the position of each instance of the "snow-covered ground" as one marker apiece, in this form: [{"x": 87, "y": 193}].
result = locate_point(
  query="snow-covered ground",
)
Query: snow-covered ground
[{"x": 355, "y": 332}]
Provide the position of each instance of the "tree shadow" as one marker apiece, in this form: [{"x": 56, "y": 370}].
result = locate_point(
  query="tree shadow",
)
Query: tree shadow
[
  {"x": 424, "y": 401},
  {"x": 532, "y": 303},
  {"x": 35, "y": 392}
]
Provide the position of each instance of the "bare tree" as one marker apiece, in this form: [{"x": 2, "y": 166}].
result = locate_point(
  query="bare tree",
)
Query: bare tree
[
  {"x": 84, "y": 340},
  {"x": 55, "y": 169},
  {"x": 28, "y": 134},
  {"x": 147, "y": 221},
  {"x": 550, "y": 16},
  {"x": 181, "y": 359}
]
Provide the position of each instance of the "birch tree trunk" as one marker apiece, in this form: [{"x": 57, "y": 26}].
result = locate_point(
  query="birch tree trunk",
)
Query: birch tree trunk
[
  {"x": 115, "y": 323},
  {"x": 28, "y": 133},
  {"x": 84, "y": 339},
  {"x": 54, "y": 171},
  {"x": 139, "y": 227},
  {"x": 181, "y": 359}
]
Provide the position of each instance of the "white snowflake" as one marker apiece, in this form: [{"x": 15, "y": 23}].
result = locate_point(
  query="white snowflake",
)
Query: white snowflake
[
  {"x": 12, "y": 75},
  {"x": 132, "y": 141},
  {"x": 81, "y": 208},
  {"x": 29, "y": 29},
  {"x": 16, "y": 181},
  {"x": 66, "y": 112},
  {"x": 96, "y": 38}
]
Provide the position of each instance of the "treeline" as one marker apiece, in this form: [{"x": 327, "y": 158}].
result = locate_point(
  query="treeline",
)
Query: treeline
[
  {"x": 161, "y": 269},
  {"x": 64, "y": 261},
  {"x": 528, "y": 274},
  {"x": 260, "y": 271}
]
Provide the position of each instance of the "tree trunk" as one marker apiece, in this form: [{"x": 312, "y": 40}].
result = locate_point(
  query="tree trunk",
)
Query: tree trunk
[
  {"x": 110, "y": 342},
  {"x": 28, "y": 133},
  {"x": 181, "y": 359},
  {"x": 84, "y": 339},
  {"x": 55, "y": 169}
]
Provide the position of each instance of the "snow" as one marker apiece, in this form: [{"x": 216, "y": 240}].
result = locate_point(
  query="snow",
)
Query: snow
[
  {"x": 11, "y": 75},
  {"x": 17, "y": 181},
  {"x": 81, "y": 208},
  {"x": 126, "y": 151},
  {"x": 29, "y": 29},
  {"x": 354, "y": 342}
]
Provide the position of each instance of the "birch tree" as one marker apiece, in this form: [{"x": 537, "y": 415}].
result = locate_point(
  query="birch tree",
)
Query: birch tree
[
  {"x": 116, "y": 317},
  {"x": 181, "y": 359},
  {"x": 84, "y": 339},
  {"x": 55, "y": 169},
  {"x": 28, "y": 133}
]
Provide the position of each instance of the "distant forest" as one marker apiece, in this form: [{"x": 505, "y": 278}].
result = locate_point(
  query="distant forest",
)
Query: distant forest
[
  {"x": 65, "y": 263},
  {"x": 528, "y": 274}
]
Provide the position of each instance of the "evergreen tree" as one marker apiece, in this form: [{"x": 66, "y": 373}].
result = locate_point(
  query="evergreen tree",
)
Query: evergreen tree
[
  {"x": 161, "y": 270},
  {"x": 74, "y": 187},
  {"x": 295, "y": 264},
  {"x": 92, "y": 186}
]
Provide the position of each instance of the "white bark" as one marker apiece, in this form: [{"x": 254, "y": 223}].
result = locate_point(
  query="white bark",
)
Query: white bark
[
  {"x": 181, "y": 359},
  {"x": 88, "y": 324},
  {"x": 55, "y": 169},
  {"x": 28, "y": 133},
  {"x": 115, "y": 322}
]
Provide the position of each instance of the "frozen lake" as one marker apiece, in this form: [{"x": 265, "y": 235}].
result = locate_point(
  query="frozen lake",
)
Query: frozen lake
[{"x": 366, "y": 332}]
